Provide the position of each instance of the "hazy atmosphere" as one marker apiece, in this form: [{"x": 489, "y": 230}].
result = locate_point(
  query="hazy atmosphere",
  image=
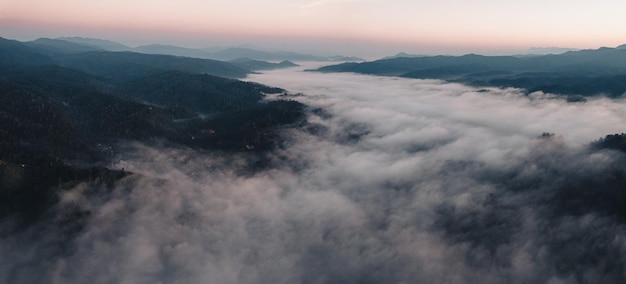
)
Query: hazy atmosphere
[
  {"x": 312, "y": 141},
  {"x": 367, "y": 28},
  {"x": 393, "y": 181}
]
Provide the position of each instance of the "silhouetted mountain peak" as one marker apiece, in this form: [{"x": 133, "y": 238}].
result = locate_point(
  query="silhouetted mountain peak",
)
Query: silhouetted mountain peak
[
  {"x": 287, "y": 63},
  {"x": 48, "y": 45},
  {"x": 548, "y": 50},
  {"x": 15, "y": 53},
  {"x": 402, "y": 54},
  {"x": 101, "y": 43},
  {"x": 252, "y": 64}
]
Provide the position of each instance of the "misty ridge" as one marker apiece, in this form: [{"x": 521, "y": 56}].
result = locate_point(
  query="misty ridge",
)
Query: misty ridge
[
  {"x": 574, "y": 73},
  {"x": 78, "y": 44},
  {"x": 126, "y": 167}
]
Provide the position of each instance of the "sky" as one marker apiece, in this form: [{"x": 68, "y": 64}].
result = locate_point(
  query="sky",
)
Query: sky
[{"x": 352, "y": 27}]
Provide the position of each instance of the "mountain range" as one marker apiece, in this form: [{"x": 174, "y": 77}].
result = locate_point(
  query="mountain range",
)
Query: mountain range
[
  {"x": 65, "y": 108},
  {"x": 573, "y": 73},
  {"x": 226, "y": 54}
]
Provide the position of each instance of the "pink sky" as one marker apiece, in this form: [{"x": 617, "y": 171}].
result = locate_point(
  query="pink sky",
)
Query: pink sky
[{"x": 360, "y": 27}]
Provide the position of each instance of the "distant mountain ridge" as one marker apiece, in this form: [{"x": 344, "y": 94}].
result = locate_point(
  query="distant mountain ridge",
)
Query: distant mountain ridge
[
  {"x": 122, "y": 65},
  {"x": 548, "y": 50},
  {"x": 100, "y": 43},
  {"x": 56, "y": 46},
  {"x": 261, "y": 65},
  {"x": 403, "y": 54},
  {"x": 584, "y": 72},
  {"x": 171, "y": 50},
  {"x": 225, "y": 54}
]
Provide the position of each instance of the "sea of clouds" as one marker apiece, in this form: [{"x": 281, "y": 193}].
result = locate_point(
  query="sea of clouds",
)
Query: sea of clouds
[{"x": 391, "y": 181}]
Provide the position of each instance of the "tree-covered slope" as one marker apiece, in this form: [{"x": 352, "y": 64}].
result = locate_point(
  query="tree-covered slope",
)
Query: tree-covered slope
[
  {"x": 63, "y": 115},
  {"x": 125, "y": 66},
  {"x": 198, "y": 92}
]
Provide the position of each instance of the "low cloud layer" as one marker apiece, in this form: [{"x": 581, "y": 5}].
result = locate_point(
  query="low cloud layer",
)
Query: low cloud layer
[{"x": 393, "y": 181}]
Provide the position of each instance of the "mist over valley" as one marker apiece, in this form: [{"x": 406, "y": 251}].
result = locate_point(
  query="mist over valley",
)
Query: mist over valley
[{"x": 124, "y": 167}]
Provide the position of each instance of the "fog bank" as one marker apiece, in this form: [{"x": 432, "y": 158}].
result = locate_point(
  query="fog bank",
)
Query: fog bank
[{"x": 392, "y": 181}]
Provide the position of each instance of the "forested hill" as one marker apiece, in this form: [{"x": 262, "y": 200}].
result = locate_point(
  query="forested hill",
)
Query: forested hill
[
  {"x": 65, "y": 110},
  {"x": 585, "y": 72}
]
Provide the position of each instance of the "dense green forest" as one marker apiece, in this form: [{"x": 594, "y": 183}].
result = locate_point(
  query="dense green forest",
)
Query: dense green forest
[{"x": 65, "y": 107}]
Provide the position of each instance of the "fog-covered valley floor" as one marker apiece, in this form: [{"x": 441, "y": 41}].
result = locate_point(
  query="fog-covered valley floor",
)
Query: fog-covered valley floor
[{"x": 391, "y": 181}]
